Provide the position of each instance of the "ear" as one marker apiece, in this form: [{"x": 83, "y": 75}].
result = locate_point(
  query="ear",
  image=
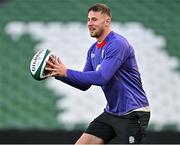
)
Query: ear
[{"x": 108, "y": 21}]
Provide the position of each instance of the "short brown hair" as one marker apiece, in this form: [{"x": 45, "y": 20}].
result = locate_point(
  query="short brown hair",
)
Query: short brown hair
[{"x": 98, "y": 7}]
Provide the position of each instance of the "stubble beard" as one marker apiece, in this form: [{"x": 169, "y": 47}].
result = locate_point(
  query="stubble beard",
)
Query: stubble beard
[{"x": 97, "y": 34}]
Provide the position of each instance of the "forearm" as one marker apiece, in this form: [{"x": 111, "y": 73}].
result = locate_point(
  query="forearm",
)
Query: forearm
[
  {"x": 74, "y": 84},
  {"x": 86, "y": 78}
]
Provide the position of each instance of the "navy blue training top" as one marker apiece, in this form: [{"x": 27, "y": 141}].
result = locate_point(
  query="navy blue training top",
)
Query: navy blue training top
[{"x": 111, "y": 65}]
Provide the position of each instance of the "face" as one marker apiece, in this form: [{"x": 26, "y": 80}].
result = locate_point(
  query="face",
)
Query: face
[{"x": 97, "y": 23}]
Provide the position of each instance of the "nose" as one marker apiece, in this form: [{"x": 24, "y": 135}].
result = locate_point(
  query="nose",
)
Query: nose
[{"x": 89, "y": 23}]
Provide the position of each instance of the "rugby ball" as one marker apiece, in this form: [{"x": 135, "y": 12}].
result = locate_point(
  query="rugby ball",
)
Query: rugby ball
[{"x": 38, "y": 64}]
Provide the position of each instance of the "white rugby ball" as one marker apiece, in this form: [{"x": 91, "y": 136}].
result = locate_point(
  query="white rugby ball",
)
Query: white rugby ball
[{"x": 38, "y": 64}]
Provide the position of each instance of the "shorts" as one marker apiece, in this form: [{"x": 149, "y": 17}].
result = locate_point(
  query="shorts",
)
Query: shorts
[{"x": 125, "y": 129}]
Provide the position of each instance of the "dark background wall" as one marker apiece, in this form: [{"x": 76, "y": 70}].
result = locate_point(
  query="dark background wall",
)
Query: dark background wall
[{"x": 69, "y": 137}]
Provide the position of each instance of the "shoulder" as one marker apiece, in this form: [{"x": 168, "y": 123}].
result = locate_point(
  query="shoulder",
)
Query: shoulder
[
  {"x": 119, "y": 40},
  {"x": 119, "y": 47},
  {"x": 93, "y": 46}
]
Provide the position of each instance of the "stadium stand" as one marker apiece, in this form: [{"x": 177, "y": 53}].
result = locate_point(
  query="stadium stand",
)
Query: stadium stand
[{"x": 26, "y": 103}]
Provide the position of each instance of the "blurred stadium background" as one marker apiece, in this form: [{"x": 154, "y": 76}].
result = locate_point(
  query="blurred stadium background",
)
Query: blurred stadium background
[{"x": 51, "y": 112}]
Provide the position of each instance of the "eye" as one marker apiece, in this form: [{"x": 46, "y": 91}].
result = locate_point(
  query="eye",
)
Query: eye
[{"x": 94, "y": 19}]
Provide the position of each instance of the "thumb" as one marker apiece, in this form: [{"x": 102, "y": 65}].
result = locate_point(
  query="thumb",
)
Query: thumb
[{"x": 59, "y": 61}]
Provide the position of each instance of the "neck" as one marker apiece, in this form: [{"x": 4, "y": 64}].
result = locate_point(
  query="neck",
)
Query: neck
[{"x": 103, "y": 36}]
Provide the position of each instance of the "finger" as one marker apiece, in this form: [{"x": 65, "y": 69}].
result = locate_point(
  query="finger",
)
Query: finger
[
  {"x": 51, "y": 56},
  {"x": 53, "y": 74},
  {"x": 51, "y": 64},
  {"x": 52, "y": 59},
  {"x": 59, "y": 61},
  {"x": 50, "y": 69},
  {"x": 55, "y": 60}
]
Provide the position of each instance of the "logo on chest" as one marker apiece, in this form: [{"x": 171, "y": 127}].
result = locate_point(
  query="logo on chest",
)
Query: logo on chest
[
  {"x": 92, "y": 55},
  {"x": 101, "y": 54}
]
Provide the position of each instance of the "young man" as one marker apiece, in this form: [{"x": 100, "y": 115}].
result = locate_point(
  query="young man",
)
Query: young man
[{"x": 111, "y": 64}]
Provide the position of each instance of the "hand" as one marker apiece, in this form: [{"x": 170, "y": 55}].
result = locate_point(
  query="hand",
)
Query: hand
[{"x": 55, "y": 67}]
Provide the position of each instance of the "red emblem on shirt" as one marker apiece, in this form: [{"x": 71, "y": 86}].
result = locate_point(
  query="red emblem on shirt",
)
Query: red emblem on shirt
[{"x": 100, "y": 45}]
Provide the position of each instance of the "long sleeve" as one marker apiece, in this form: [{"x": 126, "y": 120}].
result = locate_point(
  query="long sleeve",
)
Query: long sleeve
[
  {"x": 112, "y": 65},
  {"x": 115, "y": 55},
  {"x": 83, "y": 87},
  {"x": 100, "y": 77}
]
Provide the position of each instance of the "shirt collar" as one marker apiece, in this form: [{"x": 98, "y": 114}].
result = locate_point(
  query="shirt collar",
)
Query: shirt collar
[{"x": 104, "y": 42}]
